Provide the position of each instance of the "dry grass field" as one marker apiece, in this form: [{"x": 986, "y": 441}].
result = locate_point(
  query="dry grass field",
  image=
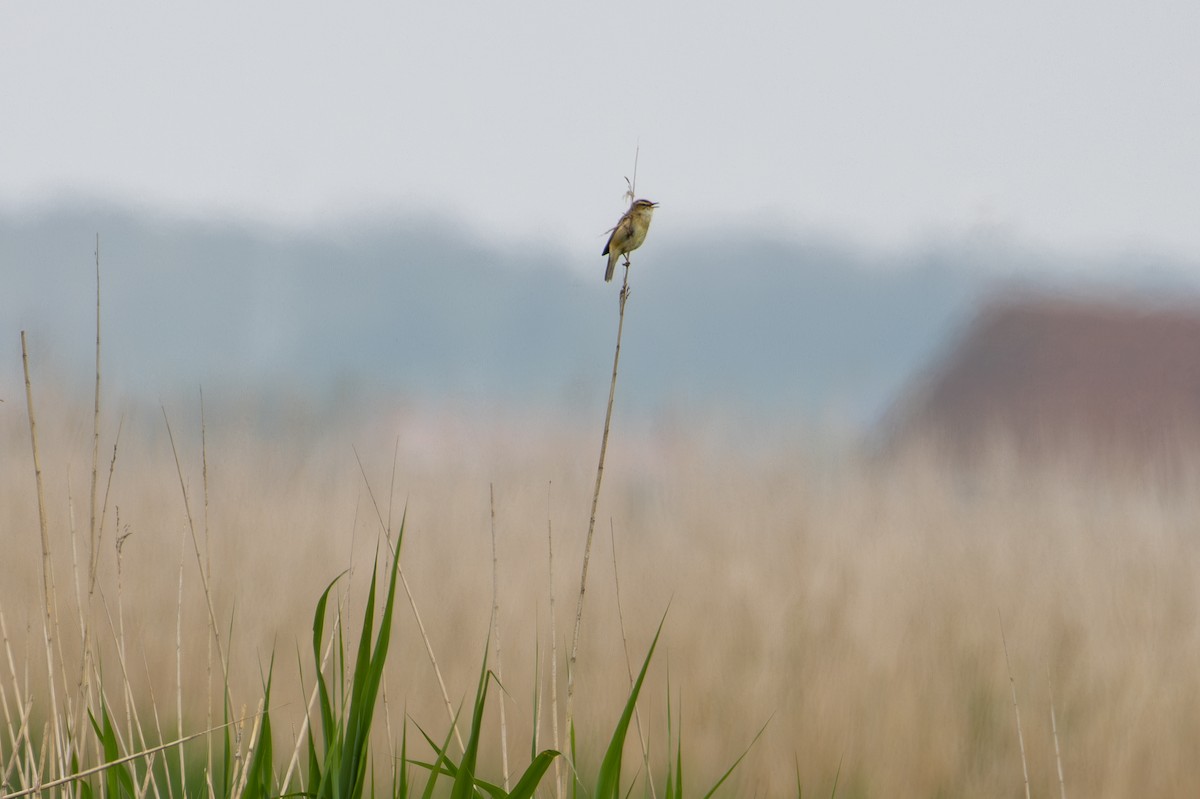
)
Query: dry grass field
[{"x": 853, "y": 606}]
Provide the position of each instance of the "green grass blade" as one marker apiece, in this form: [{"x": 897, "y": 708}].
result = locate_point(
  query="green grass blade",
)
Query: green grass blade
[
  {"x": 575, "y": 786},
  {"x": 464, "y": 781},
  {"x": 537, "y": 713},
  {"x": 679, "y": 757},
  {"x": 608, "y": 784},
  {"x": 325, "y": 704},
  {"x": 357, "y": 724},
  {"x": 118, "y": 780},
  {"x": 442, "y": 757},
  {"x": 85, "y": 787},
  {"x": 400, "y": 782},
  {"x": 368, "y": 676},
  {"x": 525, "y": 787},
  {"x": 737, "y": 762},
  {"x": 259, "y": 776},
  {"x": 671, "y": 791},
  {"x": 836, "y": 777}
]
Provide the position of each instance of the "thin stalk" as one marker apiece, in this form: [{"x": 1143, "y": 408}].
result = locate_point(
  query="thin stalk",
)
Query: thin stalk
[
  {"x": 637, "y": 714},
  {"x": 48, "y": 622},
  {"x": 21, "y": 755},
  {"x": 121, "y": 648},
  {"x": 94, "y": 522},
  {"x": 204, "y": 581},
  {"x": 71, "y": 703},
  {"x": 387, "y": 717},
  {"x": 412, "y": 603},
  {"x": 158, "y": 730},
  {"x": 179, "y": 672},
  {"x": 79, "y": 775},
  {"x": 96, "y": 525},
  {"x": 496, "y": 632},
  {"x": 87, "y": 664},
  {"x": 1062, "y": 784},
  {"x": 208, "y": 668},
  {"x": 587, "y": 546},
  {"x": 558, "y": 773},
  {"x": 1016, "y": 708},
  {"x": 312, "y": 697}
]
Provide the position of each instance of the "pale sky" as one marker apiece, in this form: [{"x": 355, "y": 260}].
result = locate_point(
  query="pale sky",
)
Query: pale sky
[{"x": 1071, "y": 125}]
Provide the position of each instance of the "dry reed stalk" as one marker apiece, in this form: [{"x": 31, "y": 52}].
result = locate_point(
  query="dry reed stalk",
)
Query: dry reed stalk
[
  {"x": 412, "y": 603},
  {"x": 1016, "y": 707},
  {"x": 538, "y": 688},
  {"x": 94, "y": 527},
  {"x": 49, "y": 623},
  {"x": 120, "y": 633},
  {"x": 203, "y": 566},
  {"x": 20, "y": 756},
  {"x": 179, "y": 667},
  {"x": 1062, "y": 784},
  {"x": 558, "y": 775},
  {"x": 86, "y": 661},
  {"x": 208, "y": 654},
  {"x": 587, "y": 545},
  {"x": 112, "y": 468},
  {"x": 496, "y": 633},
  {"x": 79, "y": 775},
  {"x": 312, "y": 697},
  {"x": 255, "y": 732},
  {"x": 637, "y": 714},
  {"x": 158, "y": 728},
  {"x": 6, "y": 769},
  {"x": 387, "y": 717},
  {"x": 623, "y": 297},
  {"x": 235, "y": 773},
  {"x": 148, "y": 780},
  {"x": 88, "y": 675},
  {"x": 45, "y": 750},
  {"x": 63, "y": 740},
  {"x": 135, "y": 734},
  {"x": 77, "y": 723},
  {"x": 204, "y": 581}
]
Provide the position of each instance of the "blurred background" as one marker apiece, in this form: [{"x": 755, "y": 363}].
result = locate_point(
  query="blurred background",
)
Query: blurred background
[
  {"x": 411, "y": 203},
  {"x": 918, "y": 272}
]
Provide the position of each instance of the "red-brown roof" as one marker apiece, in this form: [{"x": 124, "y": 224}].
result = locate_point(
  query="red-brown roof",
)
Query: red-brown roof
[{"x": 1115, "y": 379}]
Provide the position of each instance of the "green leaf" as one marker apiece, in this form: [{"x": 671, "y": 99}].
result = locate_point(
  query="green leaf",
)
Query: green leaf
[
  {"x": 259, "y": 776},
  {"x": 729, "y": 771},
  {"x": 464, "y": 781},
  {"x": 608, "y": 784},
  {"x": 442, "y": 757},
  {"x": 118, "y": 779},
  {"x": 533, "y": 775}
]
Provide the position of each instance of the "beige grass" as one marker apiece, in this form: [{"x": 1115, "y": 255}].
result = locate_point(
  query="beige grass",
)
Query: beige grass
[{"x": 854, "y": 603}]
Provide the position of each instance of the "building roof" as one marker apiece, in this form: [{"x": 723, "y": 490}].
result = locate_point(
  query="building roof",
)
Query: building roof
[{"x": 1117, "y": 379}]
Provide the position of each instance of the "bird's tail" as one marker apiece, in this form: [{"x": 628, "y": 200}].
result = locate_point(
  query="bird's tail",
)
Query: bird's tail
[{"x": 612, "y": 266}]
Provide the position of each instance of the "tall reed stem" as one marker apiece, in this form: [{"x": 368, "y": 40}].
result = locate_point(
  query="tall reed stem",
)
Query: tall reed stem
[
  {"x": 49, "y": 620},
  {"x": 587, "y": 546}
]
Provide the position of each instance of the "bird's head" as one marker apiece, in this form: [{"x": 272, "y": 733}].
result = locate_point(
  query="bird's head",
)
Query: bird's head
[{"x": 643, "y": 207}]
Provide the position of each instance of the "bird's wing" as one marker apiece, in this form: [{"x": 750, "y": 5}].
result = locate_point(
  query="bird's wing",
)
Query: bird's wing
[
  {"x": 611, "y": 232},
  {"x": 621, "y": 231}
]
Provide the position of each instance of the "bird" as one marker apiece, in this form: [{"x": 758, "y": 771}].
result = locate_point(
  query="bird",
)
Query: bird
[{"x": 629, "y": 234}]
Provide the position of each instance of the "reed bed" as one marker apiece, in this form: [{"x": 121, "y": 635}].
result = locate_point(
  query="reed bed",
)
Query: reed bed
[{"x": 851, "y": 604}]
